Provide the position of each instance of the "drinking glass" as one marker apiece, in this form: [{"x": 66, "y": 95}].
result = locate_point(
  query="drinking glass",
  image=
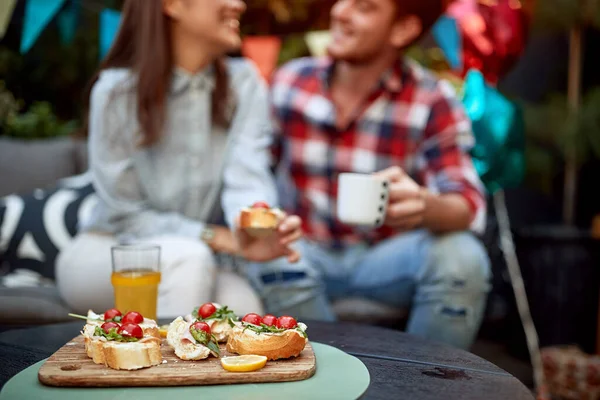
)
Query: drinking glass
[{"x": 135, "y": 278}]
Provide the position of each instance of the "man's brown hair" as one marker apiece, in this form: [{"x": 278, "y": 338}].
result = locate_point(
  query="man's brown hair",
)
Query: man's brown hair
[{"x": 428, "y": 12}]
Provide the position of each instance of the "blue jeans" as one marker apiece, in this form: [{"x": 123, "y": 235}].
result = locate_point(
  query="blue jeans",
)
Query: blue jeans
[{"x": 443, "y": 279}]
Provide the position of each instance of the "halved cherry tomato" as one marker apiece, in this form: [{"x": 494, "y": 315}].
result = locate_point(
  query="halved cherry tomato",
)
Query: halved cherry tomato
[
  {"x": 206, "y": 310},
  {"x": 132, "y": 317},
  {"x": 109, "y": 325},
  {"x": 260, "y": 204},
  {"x": 252, "y": 318},
  {"x": 131, "y": 330},
  {"x": 201, "y": 326},
  {"x": 269, "y": 320},
  {"x": 111, "y": 314},
  {"x": 286, "y": 322}
]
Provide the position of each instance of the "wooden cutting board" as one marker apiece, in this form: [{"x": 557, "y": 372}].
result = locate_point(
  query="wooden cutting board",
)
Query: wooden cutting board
[{"x": 70, "y": 366}]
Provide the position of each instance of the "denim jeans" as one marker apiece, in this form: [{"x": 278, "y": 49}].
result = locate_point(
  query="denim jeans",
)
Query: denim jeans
[{"x": 443, "y": 279}]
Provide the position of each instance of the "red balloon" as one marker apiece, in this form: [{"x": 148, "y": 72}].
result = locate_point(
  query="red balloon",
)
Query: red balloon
[{"x": 494, "y": 34}]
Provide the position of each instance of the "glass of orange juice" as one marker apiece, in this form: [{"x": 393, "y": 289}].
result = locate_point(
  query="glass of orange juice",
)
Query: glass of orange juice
[{"x": 135, "y": 278}]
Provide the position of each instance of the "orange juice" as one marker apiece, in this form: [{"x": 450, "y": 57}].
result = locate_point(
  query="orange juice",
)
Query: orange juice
[{"x": 136, "y": 290}]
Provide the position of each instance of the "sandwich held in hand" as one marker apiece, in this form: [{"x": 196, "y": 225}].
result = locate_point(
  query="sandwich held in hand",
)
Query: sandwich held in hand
[
  {"x": 219, "y": 318},
  {"x": 260, "y": 220},
  {"x": 119, "y": 341},
  {"x": 269, "y": 336}
]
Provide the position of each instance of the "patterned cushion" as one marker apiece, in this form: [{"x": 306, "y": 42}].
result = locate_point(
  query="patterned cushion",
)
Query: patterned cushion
[{"x": 35, "y": 226}]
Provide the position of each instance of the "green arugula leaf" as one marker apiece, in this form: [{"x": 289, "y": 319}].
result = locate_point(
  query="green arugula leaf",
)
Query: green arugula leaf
[
  {"x": 85, "y": 318},
  {"x": 112, "y": 335},
  {"x": 213, "y": 346},
  {"x": 221, "y": 314},
  {"x": 262, "y": 328},
  {"x": 270, "y": 329}
]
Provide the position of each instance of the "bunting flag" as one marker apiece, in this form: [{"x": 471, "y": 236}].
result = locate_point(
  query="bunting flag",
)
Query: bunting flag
[
  {"x": 317, "y": 42},
  {"x": 448, "y": 37},
  {"x": 109, "y": 26},
  {"x": 6, "y": 10},
  {"x": 68, "y": 20},
  {"x": 263, "y": 51},
  {"x": 38, "y": 13}
]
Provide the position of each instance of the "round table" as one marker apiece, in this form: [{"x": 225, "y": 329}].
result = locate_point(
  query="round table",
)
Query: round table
[{"x": 400, "y": 365}]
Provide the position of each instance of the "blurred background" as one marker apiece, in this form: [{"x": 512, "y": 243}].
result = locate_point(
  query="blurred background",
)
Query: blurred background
[{"x": 527, "y": 72}]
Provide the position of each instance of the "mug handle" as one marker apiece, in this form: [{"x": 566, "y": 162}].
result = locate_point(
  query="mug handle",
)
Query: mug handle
[{"x": 385, "y": 191}]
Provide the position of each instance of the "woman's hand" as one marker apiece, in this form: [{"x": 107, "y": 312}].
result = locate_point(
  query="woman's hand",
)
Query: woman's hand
[
  {"x": 224, "y": 241},
  {"x": 273, "y": 246}
]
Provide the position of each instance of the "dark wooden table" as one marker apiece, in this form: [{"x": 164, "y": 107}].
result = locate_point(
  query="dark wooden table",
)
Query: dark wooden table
[{"x": 401, "y": 365}]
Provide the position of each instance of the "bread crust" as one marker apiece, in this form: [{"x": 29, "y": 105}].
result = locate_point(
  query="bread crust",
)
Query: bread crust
[
  {"x": 273, "y": 346},
  {"x": 132, "y": 355}
]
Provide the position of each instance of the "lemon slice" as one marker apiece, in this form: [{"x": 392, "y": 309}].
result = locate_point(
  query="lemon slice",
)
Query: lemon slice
[{"x": 245, "y": 363}]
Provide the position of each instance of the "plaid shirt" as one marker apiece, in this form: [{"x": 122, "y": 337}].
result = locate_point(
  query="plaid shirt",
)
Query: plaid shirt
[{"x": 410, "y": 120}]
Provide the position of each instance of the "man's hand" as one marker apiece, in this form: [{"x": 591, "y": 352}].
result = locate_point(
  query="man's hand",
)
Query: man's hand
[
  {"x": 406, "y": 204},
  {"x": 273, "y": 246}
]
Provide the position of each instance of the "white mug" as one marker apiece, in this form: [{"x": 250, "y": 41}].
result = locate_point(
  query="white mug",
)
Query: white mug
[{"x": 362, "y": 199}]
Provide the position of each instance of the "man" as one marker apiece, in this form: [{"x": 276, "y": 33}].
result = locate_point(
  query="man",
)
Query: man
[{"x": 365, "y": 109}]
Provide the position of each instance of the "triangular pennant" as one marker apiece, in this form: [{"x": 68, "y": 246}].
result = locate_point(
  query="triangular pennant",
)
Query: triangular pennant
[
  {"x": 6, "y": 10},
  {"x": 67, "y": 21},
  {"x": 38, "y": 13},
  {"x": 317, "y": 42},
  {"x": 263, "y": 51},
  {"x": 446, "y": 33},
  {"x": 109, "y": 26}
]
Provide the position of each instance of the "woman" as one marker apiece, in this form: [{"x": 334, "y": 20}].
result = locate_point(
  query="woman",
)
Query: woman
[{"x": 177, "y": 132}]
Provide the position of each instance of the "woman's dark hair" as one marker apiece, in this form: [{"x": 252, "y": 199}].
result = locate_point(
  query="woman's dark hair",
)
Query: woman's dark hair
[{"x": 143, "y": 45}]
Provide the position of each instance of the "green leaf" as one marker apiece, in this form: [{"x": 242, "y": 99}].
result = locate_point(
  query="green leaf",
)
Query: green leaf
[
  {"x": 85, "y": 318},
  {"x": 220, "y": 314},
  {"x": 214, "y": 346},
  {"x": 112, "y": 335}
]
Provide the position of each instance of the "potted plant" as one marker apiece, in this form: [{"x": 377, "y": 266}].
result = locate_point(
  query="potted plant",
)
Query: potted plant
[{"x": 559, "y": 260}]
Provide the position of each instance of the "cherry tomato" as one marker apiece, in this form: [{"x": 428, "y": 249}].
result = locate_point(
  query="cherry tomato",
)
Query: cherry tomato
[
  {"x": 109, "y": 325},
  {"x": 286, "y": 322},
  {"x": 260, "y": 204},
  {"x": 131, "y": 330},
  {"x": 252, "y": 318},
  {"x": 206, "y": 310},
  {"x": 132, "y": 317},
  {"x": 201, "y": 326},
  {"x": 111, "y": 314},
  {"x": 269, "y": 320}
]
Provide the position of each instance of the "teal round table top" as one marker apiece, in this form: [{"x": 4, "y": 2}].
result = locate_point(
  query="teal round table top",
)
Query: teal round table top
[{"x": 338, "y": 376}]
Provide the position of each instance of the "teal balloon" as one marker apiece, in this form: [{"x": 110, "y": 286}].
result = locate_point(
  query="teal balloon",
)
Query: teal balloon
[
  {"x": 109, "y": 26},
  {"x": 38, "y": 13},
  {"x": 499, "y": 129}
]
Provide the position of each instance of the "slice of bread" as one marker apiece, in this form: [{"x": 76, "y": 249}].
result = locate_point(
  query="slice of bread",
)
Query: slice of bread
[
  {"x": 220, "y": 329},
  {"x": 121, "y": 355},
  {"x": 181, "y": 340},
  {"x": 132, "y": 355},
  {"x": 260, "y": 222},
  {"x": 274, "y": 346}
]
